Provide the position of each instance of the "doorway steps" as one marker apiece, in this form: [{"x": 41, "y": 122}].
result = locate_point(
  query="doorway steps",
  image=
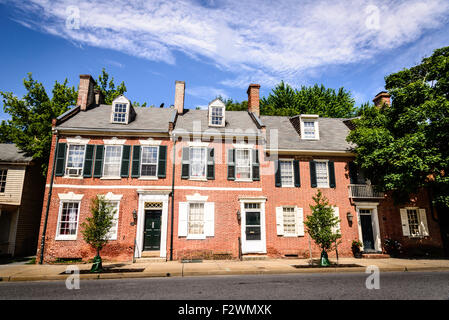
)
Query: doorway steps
[
  {"x": 254, "y": 257},
  {"x": 375, "y": 255},
  {"x": 150, "y": 260}
]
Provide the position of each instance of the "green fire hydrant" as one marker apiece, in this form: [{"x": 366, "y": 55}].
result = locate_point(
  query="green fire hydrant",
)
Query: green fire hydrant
[{"x": 97, "y": 265}]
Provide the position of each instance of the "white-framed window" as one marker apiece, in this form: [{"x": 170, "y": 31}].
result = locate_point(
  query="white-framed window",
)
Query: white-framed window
[
  {"x": 287, "y": 179},
  {"x": 68, "y": 220},
  {"x": 112, "y": 235},
  {"x": 195, "y": 219},
  {"x": 75, "y": 160},
  {"x": 243, "y": 164},
  {"x": 120, "y": 114},
  {"x": 112, "y": 161},
  {"x": 309, "y": 127},
  {"x": 149, "y": 161},
  {"x": 216, "y": 116},
  {"x": 3, "y": 176},
  {"x": 322, "y": 174},
  {"x": 198, "y": 162},
  {"x": 289, "y": 220},
  {"x": 414, "y": 222}
]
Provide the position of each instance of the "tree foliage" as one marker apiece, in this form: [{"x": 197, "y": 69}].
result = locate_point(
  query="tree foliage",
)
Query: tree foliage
[
  {"x": 404, "y": 148},
  {"x": 96, "y": 227},
  {"x": 326, "y": 102},
  {"x": 107, "y": 87},
  {"x": 322, "y": 223}
]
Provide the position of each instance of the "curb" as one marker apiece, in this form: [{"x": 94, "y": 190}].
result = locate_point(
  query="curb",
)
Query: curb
[{"x": 213, "y": 273}]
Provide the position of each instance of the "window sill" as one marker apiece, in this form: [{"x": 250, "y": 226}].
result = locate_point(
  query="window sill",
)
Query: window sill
[
  {"x": 110, "y": 178},
  {"x": 148, "y": 178},
  {"x": 243, "y": 180},
  {"x": 72, "y": 177},
  {"x": 196, "y": 237},
  {"x": 198, "y": 179},
  {"x": 60, "y": 238},
  {"x": 290, "y": 236}
]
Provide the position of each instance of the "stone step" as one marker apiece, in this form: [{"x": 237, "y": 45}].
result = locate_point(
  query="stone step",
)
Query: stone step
[
  {"x": 150, "y": 260},
  {"x": 254, "y": 257},
  {"x": 375, "y": 256},
  {"x": 151, "y": 254}
]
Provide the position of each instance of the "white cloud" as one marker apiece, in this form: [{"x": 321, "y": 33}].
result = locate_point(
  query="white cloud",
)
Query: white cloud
[
  {"x": 257, "y": 40},
  {"x": 206, "y": 93}
]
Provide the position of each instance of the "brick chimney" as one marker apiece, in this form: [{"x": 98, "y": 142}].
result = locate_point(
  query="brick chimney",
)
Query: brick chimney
[
  {"x": 180, "y": 87},
  {"x": 382, "y": 98},
  {"x": 253, "y": 98},
  {"x": 86, "y": 95}
]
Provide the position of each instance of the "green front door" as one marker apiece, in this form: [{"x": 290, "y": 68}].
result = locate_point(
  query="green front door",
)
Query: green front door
[{"x": 152, "y": 230}]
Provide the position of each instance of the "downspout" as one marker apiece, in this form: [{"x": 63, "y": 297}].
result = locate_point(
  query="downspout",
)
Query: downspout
[
  {"x": 44, "y": 230},
  {"x": 172, "y": 197}
]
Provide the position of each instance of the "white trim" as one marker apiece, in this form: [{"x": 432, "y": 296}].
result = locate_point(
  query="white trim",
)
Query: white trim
[
  {"x": 71, "y": 236},
  {"x": 243, "y": 146},
  {"x": 69, "y": 144},
  {"x": 292, "y": 185},
  {"x": 78, "y": 140},
  {"x": 144, "y": 197},
  {"x": 310, "y": 118},
  {"x": 121, "y": 100},
  {"x": 374, "y": 220},
  {"x": 150, "y": 142},
  {"x": 262, "y": 245},
  {"x": 198, "y": 144},
  {"x": 197, "y": 198},
  {"x": 141, "y": 162},
  {"x": 168, "y": 187},
  {"x": 113, "y": 197},
  {"x": 114, "y": 141},
  {"x": 327, "y": 173},
  {"x": 310, "y": 152},
  {"x": 217, "y": 103},
  {"x": 250, "y": 160},
  {"x": 70, "y": 196},
  {"x": 104, "y": 160}
]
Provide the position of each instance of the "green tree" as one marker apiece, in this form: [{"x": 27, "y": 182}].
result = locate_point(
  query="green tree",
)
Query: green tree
[
  {"x": 232, "y": 105},
  {"x": 322, "y": 226},
  {"x": 404, "y": 147},
  {"x": 107, "y": 87},
  {"x": 96, "y": 228},
  {"x": 30, "y": 124},
  {"x": 326, "y": 102}
]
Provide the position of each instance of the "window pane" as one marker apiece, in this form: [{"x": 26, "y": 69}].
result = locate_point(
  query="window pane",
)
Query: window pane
[
  {"x": 120, "y": 112},
  {"x": 289, "y": 220},
  {"x": 114, "y": 228},
  {"x": 3, "y": 174},
  {"x": 243, "y": 164},
  {"x": 75, "y": 157},
  {"x": 286, "y": 173},
  {"x": 149, "y": 161},
  {"x": 69, "y": 218},
  {"x": 309, "y": 129},
  {"x": 321, "y": 174},
  {"x": 217, "y": 116},
  {"x": 198, "y": 162},
  {"x": 112, "y": 161},
  {"x": 196, "y": 218},
  {"x": 413, "y": 222}
]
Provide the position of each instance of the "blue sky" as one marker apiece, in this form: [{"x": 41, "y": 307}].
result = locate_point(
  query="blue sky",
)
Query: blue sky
[{"x": 218, "y": 47}]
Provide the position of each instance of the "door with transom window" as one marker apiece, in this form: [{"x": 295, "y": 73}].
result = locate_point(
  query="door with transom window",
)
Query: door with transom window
[{"x": 253, "y": 228}]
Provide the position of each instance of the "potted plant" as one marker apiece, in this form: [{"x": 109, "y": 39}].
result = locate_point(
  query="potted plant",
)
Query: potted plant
[
  {"x": 356, "y": 245},
  {"x": 393, "y": 247}
]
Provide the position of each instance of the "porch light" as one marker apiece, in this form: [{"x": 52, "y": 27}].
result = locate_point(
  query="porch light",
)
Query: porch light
[
  {"x": 134, "y": 217},
  {"x": 350, "y": 217},
  {"x": 239, "y": 216}
]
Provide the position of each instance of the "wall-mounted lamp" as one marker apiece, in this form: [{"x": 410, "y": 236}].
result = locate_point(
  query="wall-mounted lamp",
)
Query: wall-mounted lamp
[
  {"x": 239, "y": 216},
  {"x": 134, "y": 217},
  {"x": 350, "y": 217}
]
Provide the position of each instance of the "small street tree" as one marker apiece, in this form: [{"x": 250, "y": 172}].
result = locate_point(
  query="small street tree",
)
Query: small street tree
[
  {"x": 96, "y": 228},
  {"x": 322, "y": 226}
]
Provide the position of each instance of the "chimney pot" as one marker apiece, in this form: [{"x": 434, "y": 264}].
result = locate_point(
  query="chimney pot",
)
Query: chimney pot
[
  {"x": 253, "y": 98},
  {"x": 180, "y": 87}
]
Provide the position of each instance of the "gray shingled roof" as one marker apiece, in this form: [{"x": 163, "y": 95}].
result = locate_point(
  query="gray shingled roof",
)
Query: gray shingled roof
[
  {"x": 10, "y": 153},
  {"x": 332, "y": 133},
  {"x": 235, "y": 120},
  {"x": 99, "y": 118}
]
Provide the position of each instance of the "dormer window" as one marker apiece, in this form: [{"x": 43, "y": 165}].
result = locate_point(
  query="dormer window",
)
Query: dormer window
[
  {"x": 122, "y": 111},
  {"x": 217, "y": 113},
  {"x": 309, "y": 127}
]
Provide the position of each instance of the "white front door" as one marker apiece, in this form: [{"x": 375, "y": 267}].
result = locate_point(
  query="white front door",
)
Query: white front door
[{"x": 253, "y": 227}]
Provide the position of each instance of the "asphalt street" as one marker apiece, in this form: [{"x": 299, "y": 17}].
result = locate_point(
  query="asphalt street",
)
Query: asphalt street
[{"x": 325, "y": 286}]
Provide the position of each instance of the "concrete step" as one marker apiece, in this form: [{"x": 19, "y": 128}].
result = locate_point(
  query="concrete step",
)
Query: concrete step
[
  {"x": 375, "y": 256},
  {"x": 254, "y": 257},
  {"x": 150, "y": 260},
  {"x": 151, "y": 254}
]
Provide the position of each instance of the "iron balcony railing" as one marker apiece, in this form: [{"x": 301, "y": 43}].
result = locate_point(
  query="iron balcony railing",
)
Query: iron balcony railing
[{"x": 364, "y": 191}]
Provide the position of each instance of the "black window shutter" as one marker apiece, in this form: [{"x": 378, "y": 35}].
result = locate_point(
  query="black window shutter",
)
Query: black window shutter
[
  {"x": 331, "y": 174},
  {"x": 210, "y": 164},
  {"x": 256, "y": 165},
  {"x": 296, "y": 173},
  {"x": 277, "y": 175},
  {"x": 352, "y": 172},
  {"x": 135, "y": 171},
  {"x": 88, "y": 161},
  {"x": 313, "y": 174},
  {"x": 162, "y": 165},
  {"x": 98, "y": 167},
  {"x": 60, "y": 159},
  {"x": 185, "y": 167},
  {"x": 126, "y": 156},
  {"x": 231, "y": 164}
]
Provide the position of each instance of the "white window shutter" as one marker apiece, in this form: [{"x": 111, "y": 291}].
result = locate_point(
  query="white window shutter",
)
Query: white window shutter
[
  {"x": 299, "y": 222},
  {"x": 182, "y": 219},
  {"x": 337, "y": 215},
  {"x": 280, "y": 221},
  {"x": 404, "y": 222},
  {"x": 423, "y": 227},
  {"x": 209, "y": 219}
]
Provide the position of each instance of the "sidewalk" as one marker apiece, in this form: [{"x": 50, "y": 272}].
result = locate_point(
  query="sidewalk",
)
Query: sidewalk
[{"x": 214, "y": 267}]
